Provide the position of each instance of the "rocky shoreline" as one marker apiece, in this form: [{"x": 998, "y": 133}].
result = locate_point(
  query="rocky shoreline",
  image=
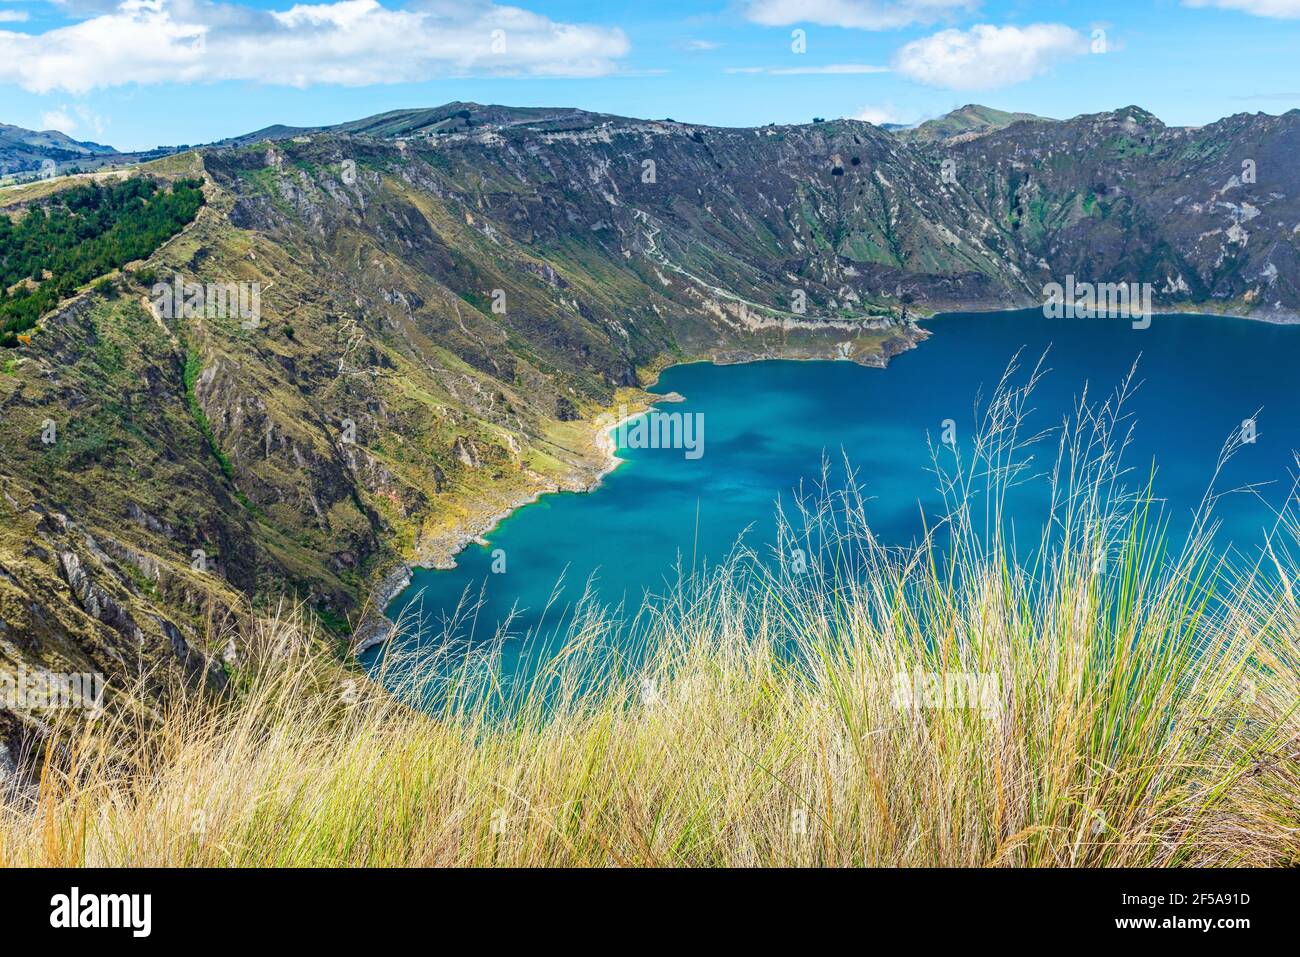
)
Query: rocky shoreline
[{"x": 375, "y": 627}]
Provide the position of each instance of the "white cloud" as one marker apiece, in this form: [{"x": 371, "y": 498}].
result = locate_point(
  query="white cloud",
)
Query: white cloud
[
  {"x": 831, "y": 68},
  {"x": 701, "y": 45},
  {"x": 92, "y": 120},
  {"x": 13, "y": 16},
  {"x": 62, "y": 120},
  {"x": 879, "y": 114},
  {"x": 857, "y": 14},
  {"x": 348, "y": 42},
  {"x": 58, "y": 120},
  {"x": 1278, "y": 9},
  {"x": 987, "y": 57}
]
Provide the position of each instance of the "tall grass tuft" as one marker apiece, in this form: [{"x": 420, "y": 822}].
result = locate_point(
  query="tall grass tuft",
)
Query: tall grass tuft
[{"x": 1099, "y": 696}]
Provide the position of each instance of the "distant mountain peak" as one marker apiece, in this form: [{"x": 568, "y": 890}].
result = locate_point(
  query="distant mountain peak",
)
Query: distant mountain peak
[
  {"x": 966, "y": 122},
  {"x": 25, "y": 151}
]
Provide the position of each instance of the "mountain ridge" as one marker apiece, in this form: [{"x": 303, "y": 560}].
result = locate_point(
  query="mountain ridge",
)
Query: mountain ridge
[
  {"x": 30, "y": 154},
  {"x": 23, "y": 150},
  {"x": 967, "y": 118},
  {"x": 971, "y": 120}
]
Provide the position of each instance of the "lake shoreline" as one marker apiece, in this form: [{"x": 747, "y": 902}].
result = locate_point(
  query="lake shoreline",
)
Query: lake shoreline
[{"x": 376, "y": 627}]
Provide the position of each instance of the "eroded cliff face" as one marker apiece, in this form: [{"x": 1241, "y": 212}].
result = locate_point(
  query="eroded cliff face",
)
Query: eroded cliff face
[
  {"x": 1210, "y": 216},
  {"x": 447, "y": 298}
]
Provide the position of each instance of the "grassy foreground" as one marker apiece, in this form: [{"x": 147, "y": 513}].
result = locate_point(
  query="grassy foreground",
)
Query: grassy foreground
[{"x": 1110, "y": 700}]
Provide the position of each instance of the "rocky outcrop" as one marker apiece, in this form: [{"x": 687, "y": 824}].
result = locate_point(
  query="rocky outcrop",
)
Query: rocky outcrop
[
  {"x": 95, "y": 601},
  {"x": 1208, "y": 215}
]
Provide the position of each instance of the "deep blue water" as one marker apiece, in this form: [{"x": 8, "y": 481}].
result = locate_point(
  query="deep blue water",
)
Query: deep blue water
[{"x": 767, "y": 426}]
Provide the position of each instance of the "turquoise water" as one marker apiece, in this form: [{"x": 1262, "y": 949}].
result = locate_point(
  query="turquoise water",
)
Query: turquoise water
[{"x": 768, "y": 425}]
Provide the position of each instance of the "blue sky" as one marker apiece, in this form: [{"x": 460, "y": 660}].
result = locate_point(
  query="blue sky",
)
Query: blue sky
[{"x": 138, "y": 73}]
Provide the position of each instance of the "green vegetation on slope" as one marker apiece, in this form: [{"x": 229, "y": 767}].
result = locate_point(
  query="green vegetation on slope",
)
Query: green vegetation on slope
[
  {"x": 193, "y": 366},
  {"x": 79, "y": 234}
]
